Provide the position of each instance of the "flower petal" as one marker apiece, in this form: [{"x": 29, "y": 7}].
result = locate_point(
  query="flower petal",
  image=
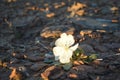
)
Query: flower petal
[
  {"x": 73, "y": 48},
  {"x": 60, "y": 42},
  {"x": 63, "y": 35},
  {"x": 65, "y": 58},
  {"x": 63, "y": 50},
  {"x": 70, "y": 40},
  {"x": 58, "y": 51},
  {"x": 65, "y": 40}
]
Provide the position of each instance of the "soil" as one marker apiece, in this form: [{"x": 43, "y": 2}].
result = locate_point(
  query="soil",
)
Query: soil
[{"x": 29, "y": 28}]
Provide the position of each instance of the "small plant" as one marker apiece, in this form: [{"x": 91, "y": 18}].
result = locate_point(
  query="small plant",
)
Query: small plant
[
  {"x": 63, "y": 49},
  {"x": 79, "y": 55},
  {"x": 65, "y": 52}
]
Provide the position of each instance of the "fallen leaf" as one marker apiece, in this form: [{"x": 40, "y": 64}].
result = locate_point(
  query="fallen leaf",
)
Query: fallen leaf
[
  {"x": 78, "y": 62},
  {"x": 52, "y": 73},
  {"x": 76, "y": 6},
  {"x": 59, "y": 5},
  {"x": 73, "y": 75},
  {"x": 80, "y": 12},
  {"x": 50, "y": 15},
  {"x": 15, "y": 75},
  {"x": 115, "y": 21},
  {"x": 114, "y": 8},
  {"x": 46, "y": 73},
  {"x": 11, "y": 1},
  {"x": 85, "y": 32}
]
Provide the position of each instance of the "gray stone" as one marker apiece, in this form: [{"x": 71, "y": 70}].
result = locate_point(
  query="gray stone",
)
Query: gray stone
[
  {"x": 5, "y": 41},
  {"x": 83, "y": 72},
  {"x": 117, "y": 34},
  {"x": 87, "y": 48},
  {"x": 22, "y": 21},
  {"x": 101, "y": 48},
  {"x": 34, "y": 57},
  {"x": 105, "y": 10},
  {"x": 115, "y": 45},
  {"x": 112, "y": 45},
  {"x": 37, "y": 66},
  {"x": 95, "y": 24}
]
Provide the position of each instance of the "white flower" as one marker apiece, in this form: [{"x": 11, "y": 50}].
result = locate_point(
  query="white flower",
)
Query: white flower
[{"x": 64, "y": 49}]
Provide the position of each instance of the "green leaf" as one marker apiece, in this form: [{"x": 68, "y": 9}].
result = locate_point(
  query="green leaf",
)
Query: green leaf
[
  {"x": 78, "y": 54},
  {"x": 93, "y": 56},
  {"x": 67, "y": 66},
  {"x": 90, "y": 58},
  {"x": 56, "y": 63}
]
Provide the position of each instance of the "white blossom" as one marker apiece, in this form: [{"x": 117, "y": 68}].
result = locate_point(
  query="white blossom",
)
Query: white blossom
[{"x": 64, "y": 48}]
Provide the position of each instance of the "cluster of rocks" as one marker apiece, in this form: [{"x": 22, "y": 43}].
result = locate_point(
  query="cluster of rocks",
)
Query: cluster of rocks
[{"x": 26, "y": 35}]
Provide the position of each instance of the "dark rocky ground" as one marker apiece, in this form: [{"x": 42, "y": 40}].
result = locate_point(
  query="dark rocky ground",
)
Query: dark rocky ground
[{"x": 28, "y": 29}]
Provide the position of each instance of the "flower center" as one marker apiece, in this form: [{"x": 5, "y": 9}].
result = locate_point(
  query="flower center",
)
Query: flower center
[{"x": 66, "y": 48}]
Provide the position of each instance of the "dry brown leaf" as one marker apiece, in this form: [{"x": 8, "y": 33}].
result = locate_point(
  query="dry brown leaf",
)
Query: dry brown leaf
[
  {"x": 50, "y": 15},
  {"x": 59, "y": 5},
  {"x": 15, "y": 75},
  {"x": 78, "y": 62},
  {"x": 73, "y": 75},
  {"x": 31, "y": 8},
  {"x": 46, "y": 73},
  {"x": 115, "y": 21},
  {"x": 4, "y": 64},
  {"x": 44, "y": 76},
  {"x": 114, "y": 8},
  {"x": 76, "y": 6},
  {"x": 85, "y": 32},
  {"x": 46, "y": 4},
  {"x": 42, "y": 9},
  {"x": 47, "y": 9},
  {"x": 62, "y": 3},
  {"x": 80, "y": 12},
  {"x": 52, "y": 73},
  {"x": 11, "y": 1},
  {"x": 13, "y": 54}
]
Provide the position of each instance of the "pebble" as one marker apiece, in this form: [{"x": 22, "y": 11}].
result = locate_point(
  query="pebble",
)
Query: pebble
[
  {"x": 117, "y": 34},
  {"x": 112, "y": 45},
  {"x": 88, "y": 49},
  {"x": 83, "y": 70},
  {"x": 105, "y": 10},
  {"x": 34, "y": 56},
  {"x": 37, "y": 66},
  {"x": 22, "y": 21},
  {"x": 101, "y": 48}
]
